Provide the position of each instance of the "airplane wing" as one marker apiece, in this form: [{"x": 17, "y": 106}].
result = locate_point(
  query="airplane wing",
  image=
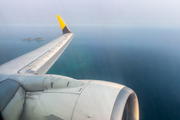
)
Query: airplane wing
[{"x": 40, "y": 60}]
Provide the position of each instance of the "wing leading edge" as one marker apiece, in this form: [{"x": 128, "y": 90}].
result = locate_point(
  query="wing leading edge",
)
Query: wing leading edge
[{"x": 40, "y": 60}]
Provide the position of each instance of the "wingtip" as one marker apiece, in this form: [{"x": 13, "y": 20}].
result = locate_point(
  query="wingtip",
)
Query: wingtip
[{"x": 64, "y": 27}]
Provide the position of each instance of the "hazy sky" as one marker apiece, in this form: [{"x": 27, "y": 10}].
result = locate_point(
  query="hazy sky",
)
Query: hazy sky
[{"x": 121, "y": 12}]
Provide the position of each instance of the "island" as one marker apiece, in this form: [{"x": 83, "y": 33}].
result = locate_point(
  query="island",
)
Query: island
[
  {"x": 28, "y": 39},
  {"x": 39, "y": 38}
]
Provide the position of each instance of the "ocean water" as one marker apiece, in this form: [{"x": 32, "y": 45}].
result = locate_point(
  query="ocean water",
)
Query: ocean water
[{"x": 146, "y": 59}]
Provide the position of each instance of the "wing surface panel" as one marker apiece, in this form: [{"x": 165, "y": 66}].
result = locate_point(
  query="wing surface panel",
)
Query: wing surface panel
[
  {"x": 42, "y": 64},
  {"x": 18, "y": 64}
]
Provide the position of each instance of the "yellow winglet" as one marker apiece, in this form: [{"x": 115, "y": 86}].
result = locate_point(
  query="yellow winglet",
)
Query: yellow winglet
[
  {"x": 62, "y": 24},
  {"x": 64, "y": 28}
]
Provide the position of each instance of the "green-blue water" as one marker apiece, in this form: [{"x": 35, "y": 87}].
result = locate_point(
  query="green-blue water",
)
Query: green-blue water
[{"x": 144, "y": 59}]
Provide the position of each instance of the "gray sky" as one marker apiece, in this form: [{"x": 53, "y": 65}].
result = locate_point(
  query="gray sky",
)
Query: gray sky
[{"x": 121, "y": 12}]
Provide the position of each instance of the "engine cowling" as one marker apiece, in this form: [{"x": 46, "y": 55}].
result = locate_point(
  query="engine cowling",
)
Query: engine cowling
[{"x": 50, "y": 97}]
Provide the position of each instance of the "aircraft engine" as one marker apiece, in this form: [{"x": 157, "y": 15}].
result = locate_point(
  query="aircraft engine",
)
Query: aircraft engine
[{"x": 55, "y": 97}]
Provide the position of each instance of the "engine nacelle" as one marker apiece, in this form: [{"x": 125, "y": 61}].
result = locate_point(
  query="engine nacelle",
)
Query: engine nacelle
[{"x": 54, "y": 97}]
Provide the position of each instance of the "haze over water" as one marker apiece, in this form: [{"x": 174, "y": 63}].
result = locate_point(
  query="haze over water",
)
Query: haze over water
[{"x": 145, "y": 59}]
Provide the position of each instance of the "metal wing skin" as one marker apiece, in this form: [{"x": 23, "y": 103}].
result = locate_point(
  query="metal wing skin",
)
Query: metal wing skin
[
  {"x": 40, "y": 60},
  {"x": 27, "y": 93}
]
